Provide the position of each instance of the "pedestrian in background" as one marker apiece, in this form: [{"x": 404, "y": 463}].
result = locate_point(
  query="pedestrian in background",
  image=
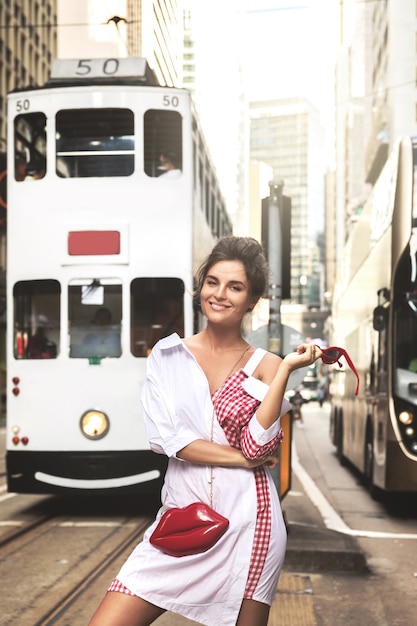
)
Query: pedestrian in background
[
  {"x": 297, "y": 401},
  {"x": 212, "y": 404}
]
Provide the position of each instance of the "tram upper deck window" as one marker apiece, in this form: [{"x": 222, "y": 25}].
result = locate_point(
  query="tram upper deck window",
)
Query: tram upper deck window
[
  {"x": 36, "y": 318},
  {"x": 30, "y": 146},
  {"x": 157, "y": 310},
  {"x": 162, "y": 145},
  {"x": 95, "y": 318},
  {"x": 94, "y": 142}
]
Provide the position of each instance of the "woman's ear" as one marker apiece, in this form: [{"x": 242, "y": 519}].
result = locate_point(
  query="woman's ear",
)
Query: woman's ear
[{"x": 252, "y": 305}]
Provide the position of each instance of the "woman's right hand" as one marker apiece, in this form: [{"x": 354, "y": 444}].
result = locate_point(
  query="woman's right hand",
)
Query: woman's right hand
[{"x": 270, "y": 461}]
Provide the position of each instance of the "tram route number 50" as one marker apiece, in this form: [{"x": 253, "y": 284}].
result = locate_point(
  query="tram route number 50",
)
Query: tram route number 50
[
  {"x": 87, "y": 69},
  {"x": 109, "y": 67}
]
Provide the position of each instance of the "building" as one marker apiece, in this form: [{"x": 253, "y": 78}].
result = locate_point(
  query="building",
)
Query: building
[
  {"x": 149, "y": 29},
  {"x": 28, "y": 43},
  {"x": 286, "y": 134},
  {"x": 376, "y": 100}
]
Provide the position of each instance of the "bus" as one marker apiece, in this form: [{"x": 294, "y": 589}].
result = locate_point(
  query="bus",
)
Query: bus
[
  {"x": 113, "y": 202},
  {"x": 374, "y": 317}
]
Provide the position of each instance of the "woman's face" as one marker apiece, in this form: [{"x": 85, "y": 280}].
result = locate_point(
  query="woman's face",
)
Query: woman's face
[{"x": 226, "y": 293}]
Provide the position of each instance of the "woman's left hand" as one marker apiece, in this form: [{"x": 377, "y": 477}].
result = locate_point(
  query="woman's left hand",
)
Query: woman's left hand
[{"x": 306, "y": 354}]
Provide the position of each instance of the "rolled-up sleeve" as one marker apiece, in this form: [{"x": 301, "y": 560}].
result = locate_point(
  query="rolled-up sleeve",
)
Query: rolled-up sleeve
[
  {"x": 167, "y": 433},
  {"x": 258, "y": 442}
]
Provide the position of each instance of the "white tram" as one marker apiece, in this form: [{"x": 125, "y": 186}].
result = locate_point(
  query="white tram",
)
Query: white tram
[{"x": 103, "y": 243}]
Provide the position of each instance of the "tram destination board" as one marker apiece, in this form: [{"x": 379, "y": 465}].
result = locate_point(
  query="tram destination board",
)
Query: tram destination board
[{"x": 77, "y": 70}]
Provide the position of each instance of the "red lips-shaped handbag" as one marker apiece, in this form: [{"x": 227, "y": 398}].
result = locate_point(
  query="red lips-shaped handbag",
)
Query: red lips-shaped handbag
[{"x": 189, "y": 530}]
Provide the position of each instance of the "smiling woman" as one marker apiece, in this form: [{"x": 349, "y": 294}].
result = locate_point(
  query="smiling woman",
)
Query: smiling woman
[{"x": 212, "y": 404}]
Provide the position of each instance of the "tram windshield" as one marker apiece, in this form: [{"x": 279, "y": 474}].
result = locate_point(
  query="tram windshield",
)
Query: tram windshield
[
  {"x": 95, "y": 318},
  {"x": 405, "y": 329}
]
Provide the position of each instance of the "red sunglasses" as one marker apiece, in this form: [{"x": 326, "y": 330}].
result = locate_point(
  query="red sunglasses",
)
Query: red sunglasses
[{"x": 332, "y": 355}]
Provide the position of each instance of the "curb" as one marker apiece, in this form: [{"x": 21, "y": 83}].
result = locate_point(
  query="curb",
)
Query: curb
[{"x": 313, "y": 549}]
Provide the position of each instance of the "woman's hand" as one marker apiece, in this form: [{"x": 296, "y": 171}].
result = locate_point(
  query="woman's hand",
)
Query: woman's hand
[
  {"x": 270, "y": 461},
  {"x": 305, "y": 355}
]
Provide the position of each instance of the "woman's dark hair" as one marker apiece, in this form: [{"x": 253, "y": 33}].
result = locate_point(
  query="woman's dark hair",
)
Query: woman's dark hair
[{"x": 244, "y": 249}]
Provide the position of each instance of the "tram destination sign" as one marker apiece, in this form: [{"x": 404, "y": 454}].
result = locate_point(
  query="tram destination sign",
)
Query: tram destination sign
[{"x": 90, "y": 69}]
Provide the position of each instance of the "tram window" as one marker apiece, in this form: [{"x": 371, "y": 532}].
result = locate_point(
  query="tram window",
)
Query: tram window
[
  {"x": 94, "y": 142},
  {"x": 36, "y": 318},
  {"x": 30, "y": 146},
  {"x": 162, "y": 146},
  {"x": 157, "y": 310},
  {"x": 94, "y": 319}
]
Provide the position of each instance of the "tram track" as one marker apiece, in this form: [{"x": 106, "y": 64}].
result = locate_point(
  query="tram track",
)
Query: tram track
[
  {"x": 57, "y": 567},
  {"x": 24, "y": 528},
  {"x": 81, "y": 588}
]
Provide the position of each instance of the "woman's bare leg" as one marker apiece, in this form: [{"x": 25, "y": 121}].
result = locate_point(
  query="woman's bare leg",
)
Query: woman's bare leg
[
  {"x": 121, "y": 609},
  {"x": 253, "y": 613}
]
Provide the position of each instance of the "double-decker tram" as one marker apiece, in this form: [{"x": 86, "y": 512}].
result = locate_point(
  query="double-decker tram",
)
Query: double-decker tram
[
  {"x": 112, "y": 204},
  {"x": 375, "y": 317}
]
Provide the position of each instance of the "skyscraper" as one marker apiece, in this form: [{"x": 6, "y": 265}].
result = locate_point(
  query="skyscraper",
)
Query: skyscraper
[{"x": 287, "y": 135}]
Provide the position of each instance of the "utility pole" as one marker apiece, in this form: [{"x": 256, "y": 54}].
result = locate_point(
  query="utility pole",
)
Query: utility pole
[{"x": 275, "y": 265}]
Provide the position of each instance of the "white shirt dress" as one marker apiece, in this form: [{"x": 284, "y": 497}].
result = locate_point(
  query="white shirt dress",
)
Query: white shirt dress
[{"x": 208, "y": 587}]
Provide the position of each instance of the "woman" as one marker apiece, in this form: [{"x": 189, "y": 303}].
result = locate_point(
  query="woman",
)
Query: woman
[{"x": 212, "y": 404}]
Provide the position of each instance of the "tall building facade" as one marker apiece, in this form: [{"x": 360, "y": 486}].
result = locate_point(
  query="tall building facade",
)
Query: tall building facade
[
  {"x": 28, "y": 43},
  {"x": 286, "y": 134},
  {"x": 376, "y": 101}
]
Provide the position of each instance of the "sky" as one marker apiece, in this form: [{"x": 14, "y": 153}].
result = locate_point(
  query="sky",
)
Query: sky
[{"x": 291, "y": 50}]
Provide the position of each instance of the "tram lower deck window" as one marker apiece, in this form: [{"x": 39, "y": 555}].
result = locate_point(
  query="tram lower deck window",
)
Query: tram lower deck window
[
  {"x": 36, "y": 318},
  {"x": 95, "y": 143}
]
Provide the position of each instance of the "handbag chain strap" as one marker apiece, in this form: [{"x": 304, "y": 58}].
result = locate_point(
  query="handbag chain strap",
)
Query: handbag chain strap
[{"x": 213, "y": 416}]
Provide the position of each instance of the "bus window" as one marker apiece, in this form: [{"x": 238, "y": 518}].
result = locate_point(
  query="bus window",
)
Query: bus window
[
  {"x": 36, "y": 316},
  {"x": 405, "y": 328},
  {"x": 95, "y": 318},
  {"x": 94, "y": 142},
  {"x": 157, "y": 310},
  {"x": 162, "y": 146},
  {"x": 30, "y": 146}
]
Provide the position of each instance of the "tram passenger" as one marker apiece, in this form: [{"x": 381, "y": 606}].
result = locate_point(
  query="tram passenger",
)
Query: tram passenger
[
  {"x": 169, "y": 164},
  {"x": 212, "y": 404},
  {"x": 40, "y": 346},
  {"x": 104, "y": 340}
]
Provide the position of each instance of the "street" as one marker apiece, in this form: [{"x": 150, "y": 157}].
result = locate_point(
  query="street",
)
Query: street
[{"x": 350, "y": 560}]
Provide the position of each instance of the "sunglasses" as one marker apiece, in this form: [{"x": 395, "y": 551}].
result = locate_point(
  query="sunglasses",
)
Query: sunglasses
[{"x": 332, "y": 355}]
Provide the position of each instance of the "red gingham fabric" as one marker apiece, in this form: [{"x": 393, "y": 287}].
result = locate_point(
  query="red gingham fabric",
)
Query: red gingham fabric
[
  {"x": 234, "y": 409},
  {"x": 116, "y": 585}
]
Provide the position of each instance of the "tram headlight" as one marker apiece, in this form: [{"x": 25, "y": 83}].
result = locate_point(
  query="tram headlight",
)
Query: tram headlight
[
  {"x": 94, "y": 424},
  {"x": 406, "y": 417}
]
